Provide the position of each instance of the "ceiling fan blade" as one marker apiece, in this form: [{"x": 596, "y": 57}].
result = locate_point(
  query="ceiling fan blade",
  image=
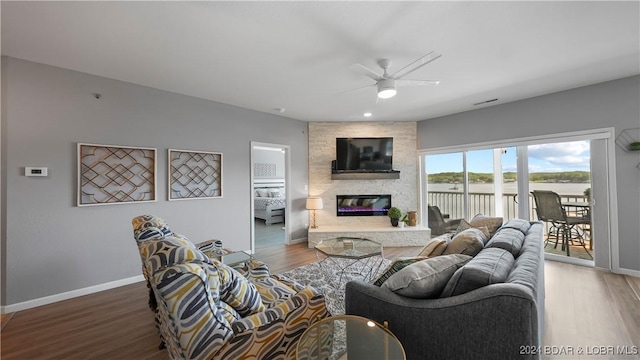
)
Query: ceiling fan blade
[
  {"x": 416, "y": 65},
  {"x": 417, "y": 82},
  {"x": 356, "y": 89},
  {"x": 361, "y": 69}
]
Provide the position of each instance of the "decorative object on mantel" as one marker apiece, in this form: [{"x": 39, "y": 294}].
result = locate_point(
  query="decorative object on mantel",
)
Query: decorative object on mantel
[
  {"x": 112, "y": 174},
  {"x": 394, "y": 214},
  {"x": 634, "y": 146},
  {"x": 314, "y": 203},
  {"x": 194, "y": 174},
  {"x": 413, "y": 218}
]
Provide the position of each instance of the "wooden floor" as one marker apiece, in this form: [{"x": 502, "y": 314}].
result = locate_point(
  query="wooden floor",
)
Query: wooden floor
[{"x": 584, "y": 307}]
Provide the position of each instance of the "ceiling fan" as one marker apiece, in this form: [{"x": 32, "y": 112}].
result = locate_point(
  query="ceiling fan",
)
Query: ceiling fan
[{"x": 386, "y": 84}]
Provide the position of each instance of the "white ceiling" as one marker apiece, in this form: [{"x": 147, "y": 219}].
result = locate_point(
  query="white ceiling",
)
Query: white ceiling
[{"x": 297, "y": 55}]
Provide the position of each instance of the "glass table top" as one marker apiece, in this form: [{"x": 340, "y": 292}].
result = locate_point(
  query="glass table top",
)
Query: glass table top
[
  {"x": 349, "y": 337},
  {"x": 348, "y": 247}
]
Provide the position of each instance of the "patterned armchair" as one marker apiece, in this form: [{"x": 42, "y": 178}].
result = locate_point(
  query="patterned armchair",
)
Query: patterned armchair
[{"x": 207, "y": 310}]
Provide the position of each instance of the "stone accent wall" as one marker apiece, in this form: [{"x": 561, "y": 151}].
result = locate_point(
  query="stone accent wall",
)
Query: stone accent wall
[{"x": 322, "y": 150}]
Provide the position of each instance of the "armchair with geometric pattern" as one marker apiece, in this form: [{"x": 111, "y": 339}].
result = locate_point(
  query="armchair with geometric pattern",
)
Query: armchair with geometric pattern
[{"x": 208, "y": 310}]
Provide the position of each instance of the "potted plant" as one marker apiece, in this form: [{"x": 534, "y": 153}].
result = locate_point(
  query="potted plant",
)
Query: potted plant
[{"x": 394, "y": 214}]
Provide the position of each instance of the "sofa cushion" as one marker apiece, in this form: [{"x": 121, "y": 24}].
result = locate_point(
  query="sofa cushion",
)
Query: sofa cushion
[
  {"x": 425, "y": 279},
  {"x": 468, "y": 242},
  {"x": 509, "y": 239},
  {"x": 395, "y": 266},
  {"x": 519, "y": 224},
  {"x": 490, "y": 266},
  {"x": 237, "y": 291}
]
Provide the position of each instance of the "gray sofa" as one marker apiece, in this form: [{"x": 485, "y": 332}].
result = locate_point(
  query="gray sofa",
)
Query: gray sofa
[{"x": 495, "y": 321}]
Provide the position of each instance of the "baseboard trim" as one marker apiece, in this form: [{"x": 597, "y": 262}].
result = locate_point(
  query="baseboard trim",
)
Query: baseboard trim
[
  {"x": 68, "y": 295},
  {"x": 297, "y": 241},
  {"x": 629, "y": 272}
]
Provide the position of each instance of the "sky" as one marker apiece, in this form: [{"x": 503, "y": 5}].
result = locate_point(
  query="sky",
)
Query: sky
[{"x": 556, "y": 157}]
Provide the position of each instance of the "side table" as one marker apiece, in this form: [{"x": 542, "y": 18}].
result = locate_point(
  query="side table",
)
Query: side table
[{"x": 354, "y": 336}]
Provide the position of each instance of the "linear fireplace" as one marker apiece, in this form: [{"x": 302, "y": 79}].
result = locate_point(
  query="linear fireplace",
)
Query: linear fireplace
[{"x": 363, "y": 205}]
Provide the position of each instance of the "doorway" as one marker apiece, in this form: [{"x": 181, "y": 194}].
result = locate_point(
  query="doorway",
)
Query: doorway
[
  {"x": 496, "y": 180},
  {"x": 269, "y": 188}
]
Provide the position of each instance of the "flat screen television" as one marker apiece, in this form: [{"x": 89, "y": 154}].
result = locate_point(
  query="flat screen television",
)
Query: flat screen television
[{"x": 364, "y": 154}]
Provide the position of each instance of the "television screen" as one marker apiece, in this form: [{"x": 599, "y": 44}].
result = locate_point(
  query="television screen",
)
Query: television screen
[{"x": 364, "y": 154}]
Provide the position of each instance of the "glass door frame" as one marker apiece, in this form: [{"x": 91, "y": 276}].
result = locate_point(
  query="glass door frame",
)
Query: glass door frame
[{"x": 606, "y": 210}]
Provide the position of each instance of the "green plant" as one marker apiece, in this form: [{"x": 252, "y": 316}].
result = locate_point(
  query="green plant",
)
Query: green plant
[
  {"x": 405, "y": 219},
  {"x": 587, "y": 192},
  {"x": 395, "y": 213}
]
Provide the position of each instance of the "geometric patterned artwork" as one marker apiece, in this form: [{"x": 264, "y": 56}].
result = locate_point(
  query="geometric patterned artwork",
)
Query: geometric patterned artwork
[
  {"x": 109, "y": 174},
  {"x": 264, "y": 170},
  {"x": 194, "y": 175}
]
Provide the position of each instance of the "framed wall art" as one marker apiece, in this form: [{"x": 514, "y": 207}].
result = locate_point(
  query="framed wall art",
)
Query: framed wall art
[
  {"x": 112, "y": 174},
  {"x": 194, "y": 174}
]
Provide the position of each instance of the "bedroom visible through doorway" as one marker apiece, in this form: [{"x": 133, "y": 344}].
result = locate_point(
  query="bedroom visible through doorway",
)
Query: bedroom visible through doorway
[{"x": 269, "y": 192}]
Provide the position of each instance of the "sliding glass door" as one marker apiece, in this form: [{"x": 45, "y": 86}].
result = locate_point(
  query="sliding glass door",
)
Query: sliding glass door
[{"x": 498, "y": 181}]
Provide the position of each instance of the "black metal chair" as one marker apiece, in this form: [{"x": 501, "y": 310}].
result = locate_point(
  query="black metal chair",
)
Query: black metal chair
[
  {"x": 549, "y": 209},
  {"x": 438, "y": 222}
]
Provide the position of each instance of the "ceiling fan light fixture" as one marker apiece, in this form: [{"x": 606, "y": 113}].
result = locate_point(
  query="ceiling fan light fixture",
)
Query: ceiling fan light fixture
[{"x": 386, "y": 88}]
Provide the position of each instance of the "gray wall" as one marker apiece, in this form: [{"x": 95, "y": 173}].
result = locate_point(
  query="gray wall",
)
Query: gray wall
[
  {"x": 610, "y": 104},
  {"x": 50, "y": 245}
]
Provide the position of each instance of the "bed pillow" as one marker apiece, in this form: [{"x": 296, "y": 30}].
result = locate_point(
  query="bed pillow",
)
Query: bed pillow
[
  {"x": 262, "y": 193},
  {"x": 425, "y": 279}
]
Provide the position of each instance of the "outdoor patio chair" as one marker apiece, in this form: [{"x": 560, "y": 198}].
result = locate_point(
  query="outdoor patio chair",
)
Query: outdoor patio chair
[
  {"x": 550, "y": 210},
  {"x": 438, "y": 222}
]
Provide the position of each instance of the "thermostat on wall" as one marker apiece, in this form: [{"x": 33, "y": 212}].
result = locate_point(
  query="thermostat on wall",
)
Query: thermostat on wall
[{"x": 35, "y": 171}]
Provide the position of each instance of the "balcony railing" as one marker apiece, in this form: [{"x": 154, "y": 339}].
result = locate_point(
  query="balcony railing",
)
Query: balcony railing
[{"x": 452, "y": 203}]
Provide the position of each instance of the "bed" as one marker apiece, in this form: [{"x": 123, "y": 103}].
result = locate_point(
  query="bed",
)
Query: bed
[{"x": 269, "y": 201}]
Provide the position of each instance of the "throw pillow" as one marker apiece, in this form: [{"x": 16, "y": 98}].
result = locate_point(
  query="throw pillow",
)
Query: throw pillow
[
  {"x": 464, "y": 225},
  {"x": 395, "y": 266},
  {"x": 468, "y": 242},
  {"x": 492, "y": 223},
  {"x": 435, "y": 246},
  {"x": 488, "y": 267},
  {"x": 237, "y": 291},
  {"x": 425, "y": 279}
]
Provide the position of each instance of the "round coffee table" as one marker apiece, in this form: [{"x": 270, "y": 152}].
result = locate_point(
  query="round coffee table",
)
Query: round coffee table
[{"x": 349, "y": 337}]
